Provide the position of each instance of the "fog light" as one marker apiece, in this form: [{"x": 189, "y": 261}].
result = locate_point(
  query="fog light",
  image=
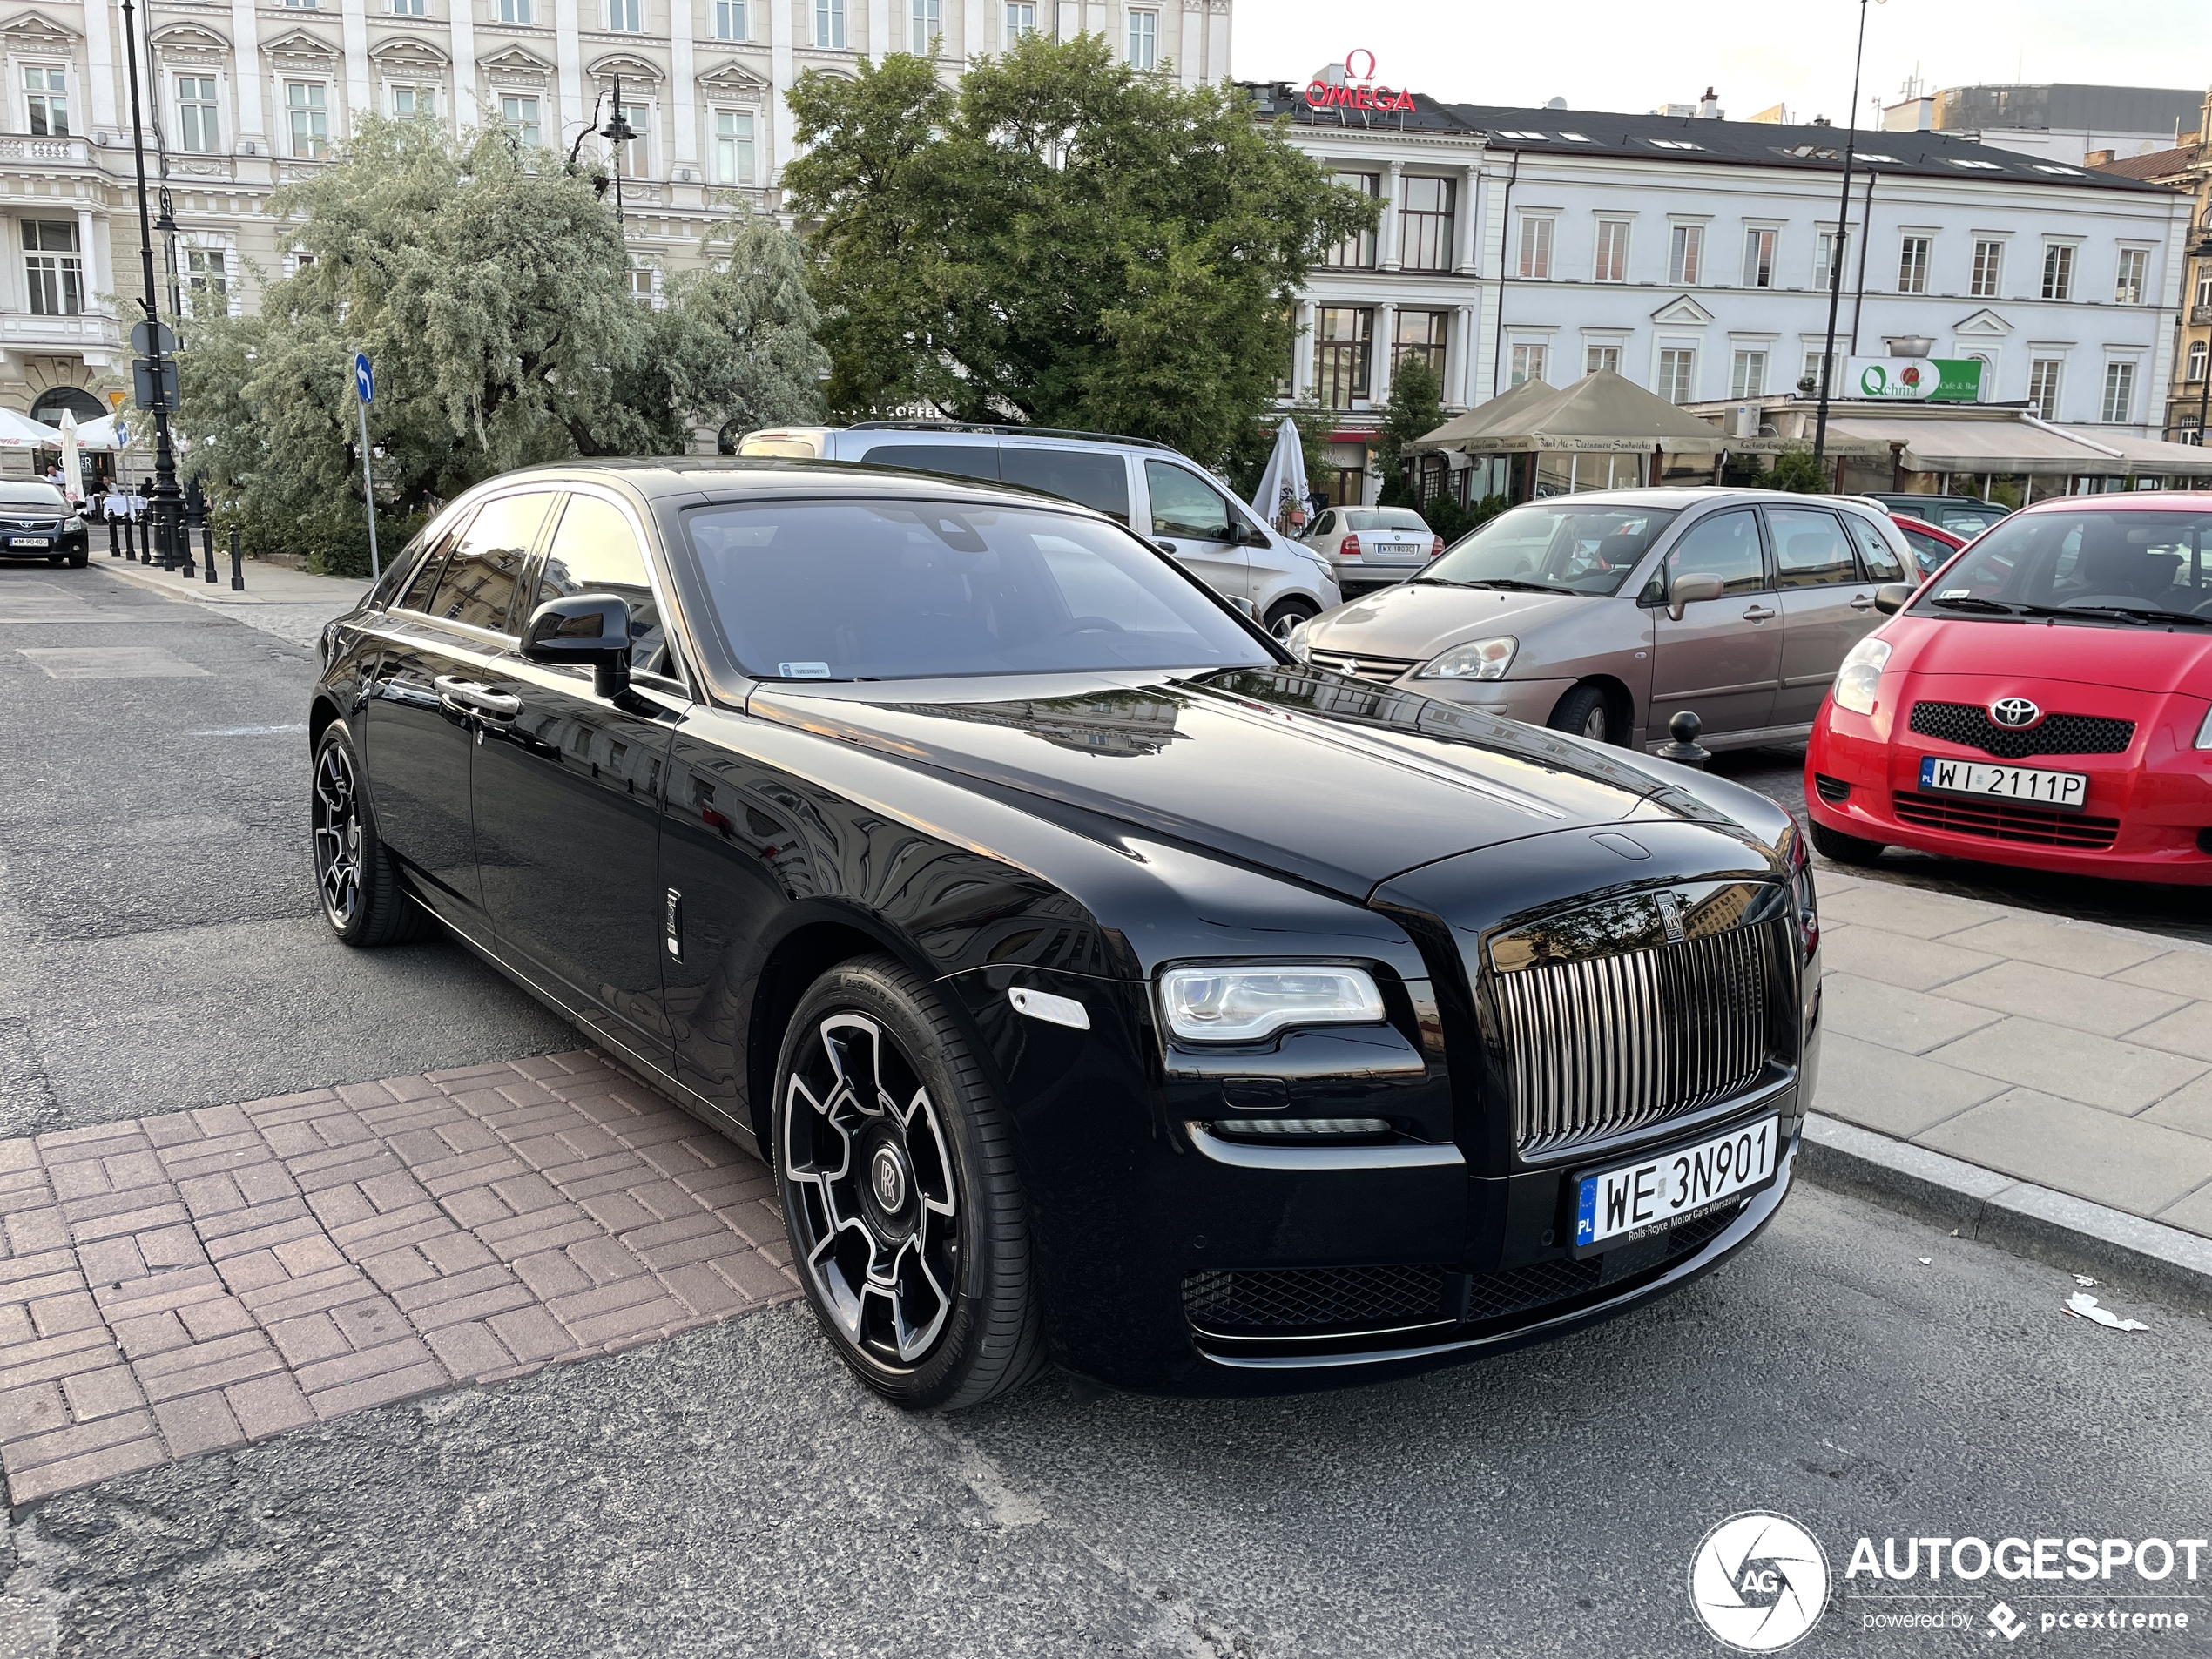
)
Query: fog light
[{"x": 1316, "y": 1129}]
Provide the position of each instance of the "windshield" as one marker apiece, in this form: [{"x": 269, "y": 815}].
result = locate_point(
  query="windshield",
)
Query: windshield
[
  {"x": 22, "y": 494},
  {"x": 887, "y": 590},
  {"x": 2093, "y": 564},
  {"x": 1556, "y": 545}
]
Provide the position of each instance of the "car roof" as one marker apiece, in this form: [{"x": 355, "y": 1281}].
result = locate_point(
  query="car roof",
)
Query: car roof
[
  {"x": 665, "y": 477},
  {"x": 1699, "y": 495},
  {"x": 2138, "y": 501}
]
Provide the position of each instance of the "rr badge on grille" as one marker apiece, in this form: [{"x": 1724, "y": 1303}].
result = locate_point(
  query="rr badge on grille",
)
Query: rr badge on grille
[{"x": 1671, "y": 917}]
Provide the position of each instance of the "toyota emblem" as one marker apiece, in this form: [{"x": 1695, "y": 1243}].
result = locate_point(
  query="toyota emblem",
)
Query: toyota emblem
[{"x": 2014, "y": 713}]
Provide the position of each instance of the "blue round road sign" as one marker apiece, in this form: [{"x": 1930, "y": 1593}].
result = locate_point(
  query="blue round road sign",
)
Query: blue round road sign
[{"x": 364, "y": 381}]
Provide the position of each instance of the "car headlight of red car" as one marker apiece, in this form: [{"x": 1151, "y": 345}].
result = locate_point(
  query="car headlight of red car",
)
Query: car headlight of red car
[{"x": 1861, "y": 675}]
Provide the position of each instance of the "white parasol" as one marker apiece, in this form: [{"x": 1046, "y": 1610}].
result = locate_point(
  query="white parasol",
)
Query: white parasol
[
  {"x": 1282, "y": 487},
  {"x": 105, "y": 435},
  {"x": 72, "y": 468},
  {"x": 21, "y": 432}
]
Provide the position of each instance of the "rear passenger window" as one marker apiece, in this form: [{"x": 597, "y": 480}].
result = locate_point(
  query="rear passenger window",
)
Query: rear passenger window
[
  {"x": 478, "y": 586},
  {"x": 1096, "y": 480},
  {"x": 1809, "y": 548},
  {"x": 1874, "y": 551},
  {"x": 961, "y": 460},
  {"x": 594, "y": 550}
]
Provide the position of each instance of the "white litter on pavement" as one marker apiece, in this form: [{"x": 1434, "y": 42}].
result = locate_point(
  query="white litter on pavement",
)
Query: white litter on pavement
[
  {"x": 1925, "y": 1261},
  {"x": 2084, "y": 1305},
  {"x": 2083, "y": 1278}
]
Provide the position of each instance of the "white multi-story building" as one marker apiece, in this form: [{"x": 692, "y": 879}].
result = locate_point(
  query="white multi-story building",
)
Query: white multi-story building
[
  {"x": 246, "y": 95},
  {"x": 1692, "y": 255}
]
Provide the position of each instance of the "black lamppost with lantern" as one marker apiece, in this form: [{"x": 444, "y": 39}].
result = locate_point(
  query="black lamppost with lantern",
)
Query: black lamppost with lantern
[{"x": 155, "y": 371}]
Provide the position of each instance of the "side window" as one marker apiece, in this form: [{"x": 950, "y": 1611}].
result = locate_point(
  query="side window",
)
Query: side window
[
  {"x": 1328, "y": 524},
  {"x": 1875, "y": 552},
  {"x": 425, "y": 582},
  {"x": 1183, "y": 506},
  {"x": 594, "y": 550},
  {"x": 1809, "y": 548},
  {"x": 1097, "y": 480},
  {"x": 478, "y": 585},
  {"x": 1926, "y": 551},
  {"x": 962, "y": 459},
  {"x": 1725, "y": 545}
]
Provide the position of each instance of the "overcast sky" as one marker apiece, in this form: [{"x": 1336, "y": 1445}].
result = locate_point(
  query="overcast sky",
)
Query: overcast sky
[{"x": 1630, "y": 55}]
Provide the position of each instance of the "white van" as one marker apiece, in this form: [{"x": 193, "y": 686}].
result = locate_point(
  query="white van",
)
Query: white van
[{"x": 1188, "y": 514}]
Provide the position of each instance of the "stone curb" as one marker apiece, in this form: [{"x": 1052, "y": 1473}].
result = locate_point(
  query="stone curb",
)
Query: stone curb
[{"x": 2068, "y": 1232}]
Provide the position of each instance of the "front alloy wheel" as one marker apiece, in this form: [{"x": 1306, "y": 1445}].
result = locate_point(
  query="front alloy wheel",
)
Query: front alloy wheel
[{"x": 337, "y": 829}]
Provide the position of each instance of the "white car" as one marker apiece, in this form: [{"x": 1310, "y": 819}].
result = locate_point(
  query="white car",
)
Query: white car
[
  {"x": 1372, "y": 547},
  {"x": 1186, "y": 512}
]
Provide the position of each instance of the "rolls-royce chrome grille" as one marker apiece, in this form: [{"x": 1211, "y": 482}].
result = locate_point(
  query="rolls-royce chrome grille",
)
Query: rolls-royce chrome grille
[{"x": 1601, "y": 1042}]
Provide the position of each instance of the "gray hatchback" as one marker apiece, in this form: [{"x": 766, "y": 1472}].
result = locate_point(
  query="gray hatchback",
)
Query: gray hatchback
[{"x": 1606, "y": 614}]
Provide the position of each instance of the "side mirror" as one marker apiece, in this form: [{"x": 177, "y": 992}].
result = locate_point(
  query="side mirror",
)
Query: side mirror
[
  {"x": 1243, "y": 607},
  {"x": 1892, "y": 596},
  {"x": 1689, "y": 588},
  {"x": 584, "y": 629}
]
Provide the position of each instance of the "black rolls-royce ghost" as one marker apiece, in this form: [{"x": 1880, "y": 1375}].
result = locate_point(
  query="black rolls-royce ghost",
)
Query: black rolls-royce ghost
[{"x": 1103, "y": 985}]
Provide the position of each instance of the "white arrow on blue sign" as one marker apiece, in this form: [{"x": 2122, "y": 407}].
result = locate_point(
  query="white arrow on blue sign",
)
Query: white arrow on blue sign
[{"x": 364, "y": 381}]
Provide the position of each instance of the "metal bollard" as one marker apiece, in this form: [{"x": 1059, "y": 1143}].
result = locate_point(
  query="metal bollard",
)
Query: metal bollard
[
  {"x": 114, "y": 542},
  {"x": 237, "y": 569},
  {"x": 1684, "y": 750},
  {"x": 207, "y": 551},
  {"x": 130, "y": 542}
]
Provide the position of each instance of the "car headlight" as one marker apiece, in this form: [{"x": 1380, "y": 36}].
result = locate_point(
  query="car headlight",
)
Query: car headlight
[
  {"x": 1861, "y": 675},
  {"x": 75, "y": 522},
  {"x": 2204, "y": 732},
  {"x": 1479, "y": 659},
  {"x": 1245, "y": 1004}
]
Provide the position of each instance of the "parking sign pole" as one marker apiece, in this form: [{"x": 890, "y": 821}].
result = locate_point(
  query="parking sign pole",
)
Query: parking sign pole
[
  {"x": 166, "y": 493},
  {"x": 364, "y": 390}
]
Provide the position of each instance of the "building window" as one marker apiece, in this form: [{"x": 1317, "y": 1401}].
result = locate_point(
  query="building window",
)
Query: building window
[
  {"x": 633, "y": 158},
  {"x": 1816, "y": 370},
  {"x": 2120, "y": 393},
  {"x": 829, "y": 23},
  {"x": 1677, "y": 375},
  {"x": 1601, "y": 357},
  {"x": 2058, "y": 271},
  {"x": 1020, "y": 20},
  {"x": 925, "y": 24},
  {"x": 2043, "y": 388},
  {"x": 1758, "y": 259},
  {"x": 1421, "y": 337},
  {"x": 303, "y": 102},
  {"x": 515, "y": 10},
  {"x": 2204, "y": 279},
  {"x": 407, "y": 8},
  {"x": 1989, "y": 270},
  {"x": 1424, "y": 224},
  {"x": 46, "y": 90},
  {"x": 1357, "y": 251},
  {"x": 54, "y": 267},
  {"x": 1143, "y": 40},
  {"x": 196, "y": 129},
  {"x": 730, "y": 21},
  {"x": 626, "y": 16},
  {"x": 208, "y": 276},
  {"x": 1686, "y": 254},
  {"x": 1747, "y": 374},
  {"x": 733, "y": 147},
  {"x": 1612, "y": 262},
  {"x": 641, "y": 283},
  {"x": 519, "y": 117},
  {"x": 2198, "y": 351},
  {"x": 300, "y": 5},
  {"x": 1528, "y": 362},
  {"x": 1342, "y": 335},
  {"x": 1535, "y": 249},
  {"x": 2127, "y": 287},
  {"x": 415, "y": 102},
  {"x": 1913, "y": 265}
]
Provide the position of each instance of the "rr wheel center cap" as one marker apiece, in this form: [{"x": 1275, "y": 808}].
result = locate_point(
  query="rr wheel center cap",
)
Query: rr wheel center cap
[{"x": 887, "y": 1178}]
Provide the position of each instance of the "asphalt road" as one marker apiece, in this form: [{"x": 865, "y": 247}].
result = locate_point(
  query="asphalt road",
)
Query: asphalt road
[{"x": 732, "y": 1492}]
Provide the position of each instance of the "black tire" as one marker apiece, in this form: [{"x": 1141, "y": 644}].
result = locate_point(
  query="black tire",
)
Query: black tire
[
  {"x": 1287, "y": 614},
  {"x": 357, "y": 881},
  {"x": 78, "y": 561},
  {"x": 1844, "y": 849},
  {"x": 1587, "y": 713},
  {"x": 947, "y": 1315}
]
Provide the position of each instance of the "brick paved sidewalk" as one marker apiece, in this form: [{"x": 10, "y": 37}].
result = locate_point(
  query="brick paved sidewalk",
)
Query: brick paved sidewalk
[
  {"x": 181, "y": 1283},
  {"x": 2071, "y": 1054}
]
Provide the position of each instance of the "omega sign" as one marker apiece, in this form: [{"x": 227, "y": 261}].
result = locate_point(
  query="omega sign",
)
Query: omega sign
[{"x": 1358, "y": 90}]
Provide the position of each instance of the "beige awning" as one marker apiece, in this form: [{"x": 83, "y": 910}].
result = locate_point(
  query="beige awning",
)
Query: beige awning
[
  {"x": 1966, "y": 444},
  {"x": 1601, "y": 413},
  {"x": 2153, "y": 456},
  {"x": 1483, "y": 416}
]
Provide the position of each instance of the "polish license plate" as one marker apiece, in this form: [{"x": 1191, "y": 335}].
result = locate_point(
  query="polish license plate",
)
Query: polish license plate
[
  {"x": 31, "y": 541},
  {"x": 2066, "y": 791},
  {"x": 1615, "y": 1205}
]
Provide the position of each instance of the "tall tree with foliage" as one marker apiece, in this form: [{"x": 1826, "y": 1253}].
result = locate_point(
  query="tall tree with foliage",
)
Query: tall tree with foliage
[
  {"x": 1062, "y": 239},
  {"x": 1416, "y": 409},
  {"x": 490, "y": 288}
]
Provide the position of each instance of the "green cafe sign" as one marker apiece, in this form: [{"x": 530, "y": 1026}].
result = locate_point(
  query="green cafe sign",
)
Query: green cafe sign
[{"x": 1914, "y": 380}]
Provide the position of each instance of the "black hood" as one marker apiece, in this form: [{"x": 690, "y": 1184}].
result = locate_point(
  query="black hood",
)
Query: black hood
[{"x": 1336, "y": 782}]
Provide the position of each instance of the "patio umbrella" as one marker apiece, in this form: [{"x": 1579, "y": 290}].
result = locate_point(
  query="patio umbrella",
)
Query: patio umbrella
[
  {"x": 103, "y": 436},
  {"x": 21, "y": 432},
  {"x": 72, "y": 472},
  {"x": 1282, "y": 485}
]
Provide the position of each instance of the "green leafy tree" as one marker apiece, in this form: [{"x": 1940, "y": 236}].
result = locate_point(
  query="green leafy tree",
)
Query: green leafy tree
[
  {"x": 1416, "y": 409},
  {"x": 1795, "y": 469},
  {"x": 490, "y": 288},
  {"x": 1061, "y": 239}
]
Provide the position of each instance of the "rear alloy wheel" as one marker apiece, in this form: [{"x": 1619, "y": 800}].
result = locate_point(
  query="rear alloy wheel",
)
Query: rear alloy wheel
[
  {"x": 1288, "y": 613},
  {"x": 360, "y": 889},
  {"x": 1587, "y": 713},
  {"x": 1844, "y": 849},
  {"x": 901, "y": 1197}
]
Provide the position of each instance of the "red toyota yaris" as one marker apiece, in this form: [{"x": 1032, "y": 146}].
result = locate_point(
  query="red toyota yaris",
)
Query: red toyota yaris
[{"x": 2045, "y": 700}]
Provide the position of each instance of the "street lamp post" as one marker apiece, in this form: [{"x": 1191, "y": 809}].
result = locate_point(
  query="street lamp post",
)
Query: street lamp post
[
  {"x": 1836, "y": 254},
  {"x": 165, "y": 494}
]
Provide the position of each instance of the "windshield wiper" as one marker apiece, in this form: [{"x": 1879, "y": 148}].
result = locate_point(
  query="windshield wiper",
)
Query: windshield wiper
[
  {"x": 2140, "y": 613},
  {"x": 1512, "y": 584},
  {"x": 1968, "y": 602}
]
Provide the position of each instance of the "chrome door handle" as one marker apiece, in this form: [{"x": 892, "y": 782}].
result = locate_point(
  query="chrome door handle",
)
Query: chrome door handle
[
  {"x": 1862, "y": 602},
  {"x": 478, "y": 697},
  {"x": 1760, "y": 613}
]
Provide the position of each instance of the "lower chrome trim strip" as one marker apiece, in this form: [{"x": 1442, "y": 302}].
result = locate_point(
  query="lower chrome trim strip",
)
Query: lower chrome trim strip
[{"x": 1420, "y": 1155}]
